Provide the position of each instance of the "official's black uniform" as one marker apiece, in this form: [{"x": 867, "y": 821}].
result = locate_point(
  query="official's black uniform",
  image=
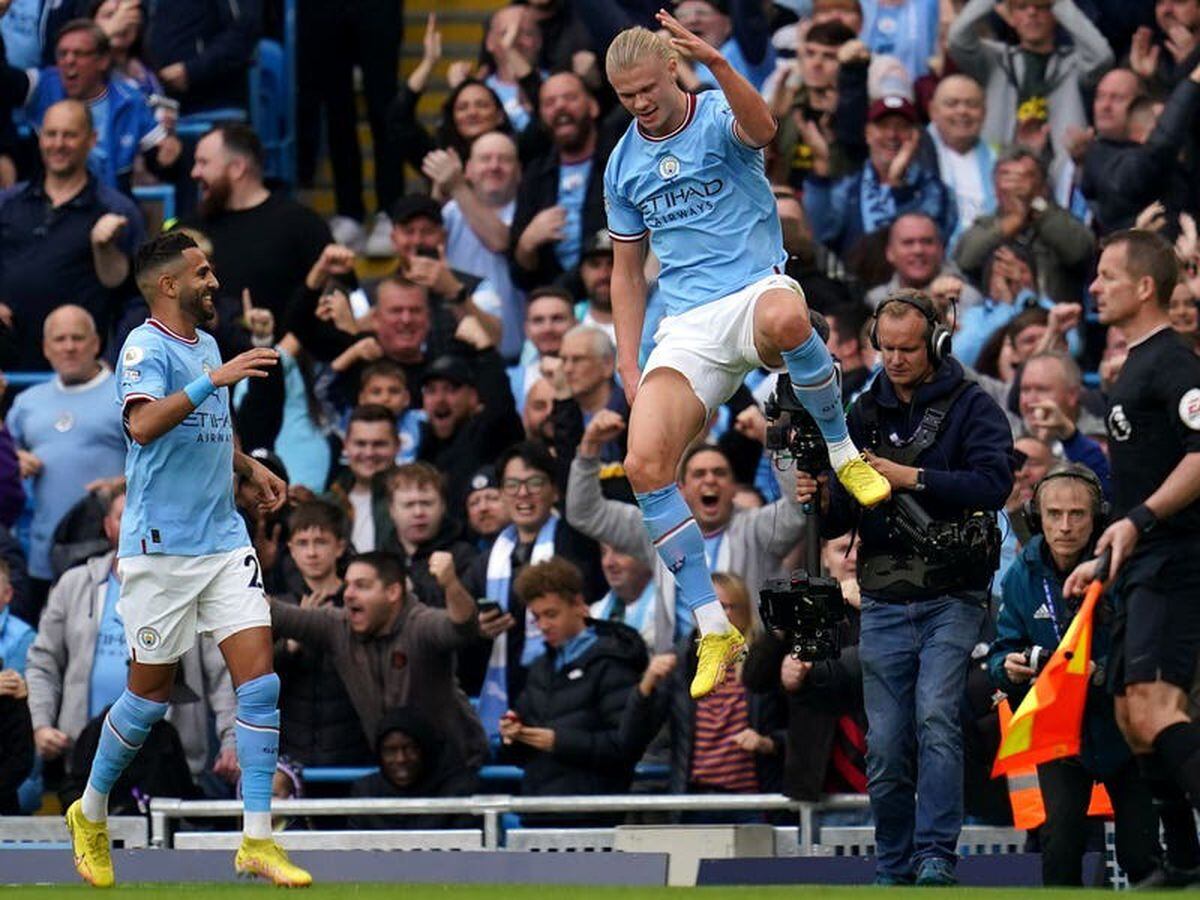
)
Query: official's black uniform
[{"x": 1153, "y": 422}]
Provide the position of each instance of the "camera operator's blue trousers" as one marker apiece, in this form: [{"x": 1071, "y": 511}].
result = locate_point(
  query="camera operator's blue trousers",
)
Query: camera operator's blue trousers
[{"x": 915, "y": 658}]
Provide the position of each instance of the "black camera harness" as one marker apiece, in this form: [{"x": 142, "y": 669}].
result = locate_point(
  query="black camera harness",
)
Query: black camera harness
[{"x": 913, "y": 574}]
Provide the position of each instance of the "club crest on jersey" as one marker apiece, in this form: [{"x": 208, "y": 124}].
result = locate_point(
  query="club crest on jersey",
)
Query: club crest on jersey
[
  {"x": 1119, "y": 427},
  {"x": 1189, "y": 409},
  {"x": 64, "y": 423},
  {"x": 148, "y": 638},
  {"x": 668, "y": 167}
]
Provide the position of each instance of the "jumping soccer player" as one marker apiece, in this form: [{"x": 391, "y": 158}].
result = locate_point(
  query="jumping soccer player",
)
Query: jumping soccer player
[
  {"x": 186, "y": 563},
  {"x": 688, "y": 174}
]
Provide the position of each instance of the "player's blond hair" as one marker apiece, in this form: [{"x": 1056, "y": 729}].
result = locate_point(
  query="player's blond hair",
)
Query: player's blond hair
[{"x": 632, "y": 46}]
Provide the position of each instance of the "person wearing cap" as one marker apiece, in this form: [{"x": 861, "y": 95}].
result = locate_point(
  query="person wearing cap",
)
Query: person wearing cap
[
  {"x": 737, "y": 29},
  {"x": 595, "y": 277},
  {"x": 469, "y": 413},
  {"x": 1037, "y": 69},
  {"x": 419, "y": 239},
  {"x": 486, "y": 513},
  {"x": 890, "y": 183},
  {"x": 77, "y": 666},
  {"x": 477, "y": 217}
]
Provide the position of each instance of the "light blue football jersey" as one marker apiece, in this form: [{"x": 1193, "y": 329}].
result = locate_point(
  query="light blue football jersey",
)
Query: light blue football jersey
[
  {"x": 179, "y": 488},
  {"x": 703, "y": 197}
]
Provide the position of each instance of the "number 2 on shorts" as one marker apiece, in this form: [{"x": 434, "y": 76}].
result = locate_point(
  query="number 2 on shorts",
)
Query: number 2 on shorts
[{"x": 255, "y": 580}]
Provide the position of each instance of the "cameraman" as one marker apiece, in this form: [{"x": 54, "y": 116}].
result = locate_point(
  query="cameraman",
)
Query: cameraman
[
  {"x": 1066, "y": 507},
  {"x": 941, "y": 441}
]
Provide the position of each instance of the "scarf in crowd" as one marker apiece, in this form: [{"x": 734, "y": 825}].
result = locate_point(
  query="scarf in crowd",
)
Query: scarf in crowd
[
  {"x": 985, "y": 158},
  {"x": 493, "y": 699},
  {"x": 638, "y": 615},
  {"x": 876, "y": 201}
]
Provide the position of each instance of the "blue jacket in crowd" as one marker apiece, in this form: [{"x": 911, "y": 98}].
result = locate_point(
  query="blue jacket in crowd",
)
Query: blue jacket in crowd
[
  {"x": 128, "y": 129},
  {"x": 835, "y": 206},
  {"x": 1034, "y": 613}
]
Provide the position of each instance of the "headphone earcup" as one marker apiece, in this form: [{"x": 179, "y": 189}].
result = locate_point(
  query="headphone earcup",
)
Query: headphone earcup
[
  {"x": 1032, "y": 518},
  {"x": 940, "y": 343},
  {"x": 873, "y": 335}
]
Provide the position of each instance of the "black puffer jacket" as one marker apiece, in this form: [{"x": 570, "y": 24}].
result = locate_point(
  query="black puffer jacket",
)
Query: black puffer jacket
[
  {"x": 449, "y": 538},
  {"x": 443, "y": 774},
  {"x": 672, "y": 701},
  {"x": 16, "y": 751},
  {"x": 582, "y": 704},
  {"x": 318, "y": 724}
]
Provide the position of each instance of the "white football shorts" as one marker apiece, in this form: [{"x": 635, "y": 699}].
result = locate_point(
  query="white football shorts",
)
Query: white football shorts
[
  {"x": 712, "y": 346},
  {"x": 167, "y": 600}
]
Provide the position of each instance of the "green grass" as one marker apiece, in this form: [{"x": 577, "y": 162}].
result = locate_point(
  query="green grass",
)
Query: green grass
[{"x": 537, "y": 892}]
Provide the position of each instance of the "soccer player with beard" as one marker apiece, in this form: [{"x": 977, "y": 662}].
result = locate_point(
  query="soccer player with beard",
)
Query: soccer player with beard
[
  {"x": 687, "y": 181},
  {"x": 262, "y": 240},
  {"x": 186, "y": 563}
]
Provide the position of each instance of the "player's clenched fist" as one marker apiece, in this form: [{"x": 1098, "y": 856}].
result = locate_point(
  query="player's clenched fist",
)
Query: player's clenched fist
[{"x": 254, "y": 363}]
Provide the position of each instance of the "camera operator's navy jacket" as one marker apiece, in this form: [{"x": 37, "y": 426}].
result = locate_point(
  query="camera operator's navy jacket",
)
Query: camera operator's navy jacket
[
  {"x": 1023, "y": 621},
  {"x": 968, "y": 467}
]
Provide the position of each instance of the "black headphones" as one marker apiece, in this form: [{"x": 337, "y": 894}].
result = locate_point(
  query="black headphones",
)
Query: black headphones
[
  {"x": 1100, "y": 509},
  {"x": 937, "y": 336}
]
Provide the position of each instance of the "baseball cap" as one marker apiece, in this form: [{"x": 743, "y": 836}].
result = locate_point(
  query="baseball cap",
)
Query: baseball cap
[
  {"x": 598, "y": 244},
  {"x": 415, "y": 206},
  {"x": 484, "y": 477},
  {"x": 892, "y": 106},
  {"x": 450, "y": 368},
  {"x": 271, "y": 461}
]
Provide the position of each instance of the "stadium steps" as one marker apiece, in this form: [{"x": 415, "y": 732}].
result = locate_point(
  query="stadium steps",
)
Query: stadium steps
[{"x": 462, "y": 31}]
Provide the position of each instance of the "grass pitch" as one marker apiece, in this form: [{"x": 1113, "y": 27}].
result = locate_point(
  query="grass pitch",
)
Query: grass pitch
[{"x": 534, "y": 892}]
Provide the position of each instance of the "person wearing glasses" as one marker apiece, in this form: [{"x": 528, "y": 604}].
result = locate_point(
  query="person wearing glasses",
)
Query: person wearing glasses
[{"x": 497, "y": 667}]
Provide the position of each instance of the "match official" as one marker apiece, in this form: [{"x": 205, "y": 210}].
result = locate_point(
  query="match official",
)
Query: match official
[
  {"x": 1153, "y": 426},
  {"x": 944, "y": 446}
]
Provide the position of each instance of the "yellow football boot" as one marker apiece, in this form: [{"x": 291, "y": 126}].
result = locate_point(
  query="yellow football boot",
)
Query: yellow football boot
[
  {"x": 266, "y": 859},
  {"x": 717, "y": 653},
  {"x": 865, "y": 484},
  {"x": 89, "y": 842}
]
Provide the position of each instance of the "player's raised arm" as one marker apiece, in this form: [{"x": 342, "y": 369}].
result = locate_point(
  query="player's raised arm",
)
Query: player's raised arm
[
  {"x": 754, "y": 122},
  {"x": 628, "y": 288}
]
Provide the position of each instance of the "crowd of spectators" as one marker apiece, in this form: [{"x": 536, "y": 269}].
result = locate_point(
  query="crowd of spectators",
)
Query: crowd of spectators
[{"x": 461, "y": 576}]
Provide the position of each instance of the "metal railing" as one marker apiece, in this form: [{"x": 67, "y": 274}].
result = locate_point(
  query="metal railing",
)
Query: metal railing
[
  {"x": 491, "y": 808},
  {"x": 129, "y": 831}
]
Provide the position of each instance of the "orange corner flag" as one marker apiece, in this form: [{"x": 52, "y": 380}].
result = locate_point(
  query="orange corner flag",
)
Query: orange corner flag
[{"x": 1047, "y": 724}]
